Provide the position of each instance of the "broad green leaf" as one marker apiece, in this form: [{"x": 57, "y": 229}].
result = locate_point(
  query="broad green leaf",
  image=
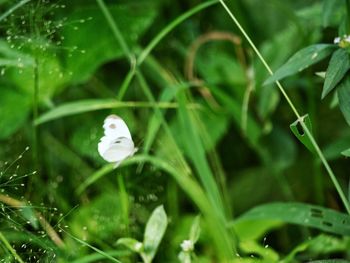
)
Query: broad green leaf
[
  {"x": 254, "y": 229},
  {"x": 14, "y": 108},
  {"x": 301, "y": 214},
  {"x": 131, "y": 243},
  {"x": 343, "y": 91},
  {"x": 154, "y": 232},
  {"x": 301, "y": 135},
  {"x": 91, "y": 40},
  {"x": 301, "y": 60},
  {"x": 337, "y": 68}
]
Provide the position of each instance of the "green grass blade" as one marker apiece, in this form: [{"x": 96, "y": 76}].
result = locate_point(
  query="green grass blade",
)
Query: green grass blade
[{"x": 81, "y": 106}]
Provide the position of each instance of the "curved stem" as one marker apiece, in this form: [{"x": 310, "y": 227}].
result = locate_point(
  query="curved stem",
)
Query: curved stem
[
  {"x": 10, "y": 248},
  {"x": 285, "y": 95}
]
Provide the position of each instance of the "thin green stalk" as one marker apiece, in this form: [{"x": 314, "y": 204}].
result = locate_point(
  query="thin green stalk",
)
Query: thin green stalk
[
  {"x": 166, "y": 30},
  {"x": 8, "y": 246},
  {"x": 12, "y": 9},
  {"x": 305, "y": 128},
  {"x": 99, "y": 251},
  {"x": 124, "y": 202},
  {"x": 147, "y": 50},
  {"x": 118, "y": 35}
]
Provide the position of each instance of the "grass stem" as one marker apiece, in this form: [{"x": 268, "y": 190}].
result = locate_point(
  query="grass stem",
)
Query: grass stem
[
  {"x": 285, "y": 95},
  {"x": 10, "y": 248}
]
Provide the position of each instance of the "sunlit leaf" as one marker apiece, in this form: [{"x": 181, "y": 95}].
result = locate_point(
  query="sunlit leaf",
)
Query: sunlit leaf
[
  {"x": 301, "y": 60},
  {"x": 154, "y": 232}
]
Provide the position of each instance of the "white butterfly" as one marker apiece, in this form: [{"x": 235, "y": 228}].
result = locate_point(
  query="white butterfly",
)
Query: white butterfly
[{"x": 116, "y": 145}]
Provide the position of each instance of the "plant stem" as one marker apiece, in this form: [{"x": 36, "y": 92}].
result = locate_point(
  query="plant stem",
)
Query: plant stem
[
  {"x": 147, "y": 50},
  {"x": 124, "y": 202},
  {"x": 305, "y": 128},
  {"x": 8, "y": 246},
  {"x": 13, "y": 8},
  {"x": 118, "y": 35}
]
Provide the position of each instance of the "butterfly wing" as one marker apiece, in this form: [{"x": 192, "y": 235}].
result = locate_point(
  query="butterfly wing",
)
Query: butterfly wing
[
  {"x": 119, "y": 150},
  {"x": 114, "y": 127},
  {"x": 116, "y": 145}
]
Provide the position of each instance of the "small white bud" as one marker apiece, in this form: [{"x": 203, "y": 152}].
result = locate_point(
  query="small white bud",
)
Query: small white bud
[{"x": 187, "y": 246}]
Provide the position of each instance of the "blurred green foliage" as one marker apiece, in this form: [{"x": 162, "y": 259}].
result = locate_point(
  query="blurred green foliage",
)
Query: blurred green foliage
[{"x": 212, "y": 129}]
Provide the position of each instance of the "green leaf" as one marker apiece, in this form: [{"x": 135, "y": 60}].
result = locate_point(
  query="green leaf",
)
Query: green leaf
[
  {"x": 131, "y": 243},
  {"x": 343, "y": 91},
  {"x": 337, "y": 68},
  {"x": 29, "y": 214},
  {"x": 14, "y": 108},
  {"x": 346, "y": 153},
  {"x": 330, "y": 261},
  {"x": 51, "y": 75},
  {"x": 154, "y": 232},
  {"x": 195, "y": 229},
  {"x": 254, "y": 229},
  {"x": 302, "y": 214},
  {"x": 84, "y": 57},
  {"x": 302, "y": 136},
  {"x": 301, "y": 60}
]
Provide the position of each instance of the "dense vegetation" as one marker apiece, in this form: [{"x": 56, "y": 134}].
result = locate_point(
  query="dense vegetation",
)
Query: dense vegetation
[{"x": 232, "y": 165}]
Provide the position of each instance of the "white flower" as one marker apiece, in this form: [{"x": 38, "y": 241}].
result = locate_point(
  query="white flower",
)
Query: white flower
[
  {"x": 336, "y": 40},
  {"x": 187, "y": 246}
]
